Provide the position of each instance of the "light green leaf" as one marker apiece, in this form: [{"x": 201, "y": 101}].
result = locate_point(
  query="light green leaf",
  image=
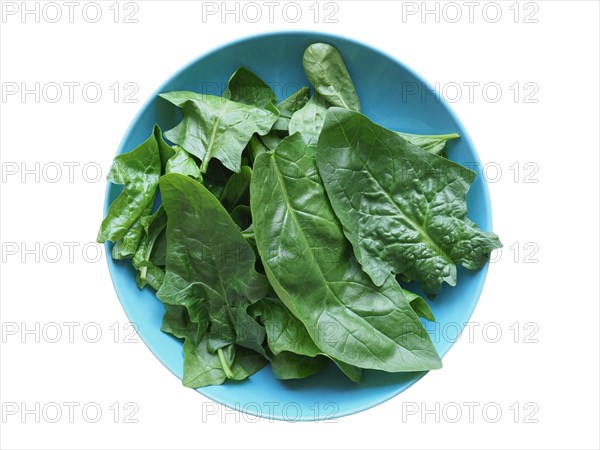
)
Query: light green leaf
[
  {"x": 271, "y": 140},
  {"x": 285, "y": 333},
  {"x": 308, "y": 120},
  {"x": 289, "y": 106},
  {"x": 183, "y": 163},
  {"x": 327, "y": 72},
  {"x": 214, "y": 127},
  {"x": 432, "y": 143},
  {"x": 420, "y": 306},
  {"x": 204, "y": 368}
]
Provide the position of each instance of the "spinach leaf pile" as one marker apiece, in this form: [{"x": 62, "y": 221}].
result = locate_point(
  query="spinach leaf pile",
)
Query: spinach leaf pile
[{"x": 277, "y": 232}]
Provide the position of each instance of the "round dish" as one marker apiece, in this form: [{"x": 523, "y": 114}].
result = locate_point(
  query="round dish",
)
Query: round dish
[{"x": 391, "y": 94}]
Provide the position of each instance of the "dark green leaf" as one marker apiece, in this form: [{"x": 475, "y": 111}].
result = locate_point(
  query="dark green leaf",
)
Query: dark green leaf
[
  {"x": 287, "y": 334},
  {"x": 257, "y": 147},
  {"x": 210, "y": 266},
  {"x": 154, "y": 277},
  {"x": 154, "y": 227},
  {"x": 165, "y": 150},
  {"x": 176, "y": 321},
  {"x": 246, "y": 87},
  {"x": 216, "y": 174},
  {"x": 420, "y": 306},
  {"x": 402, "y": 208},
  {"x": 241, "y": 216},
  {"x": 203, "y": 368},
  {"x": 249, "y": 333},
  {"x": 345, "y": 314},
  {"x": 158, "y": 254},
  {"x": 288, "y": 366},
  {"x": 126, "y": 246},
  {"x": 237, "y": 189},
  {"x": 246, "y": 363},
  {"x": 138, "y": 171}
]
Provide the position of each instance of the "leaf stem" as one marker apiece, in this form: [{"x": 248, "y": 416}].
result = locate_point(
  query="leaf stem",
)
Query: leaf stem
[
  {"x": 204, "y": 165},
  {"x": 432, "y": 136},
  {"x": 226, "y": 368}
]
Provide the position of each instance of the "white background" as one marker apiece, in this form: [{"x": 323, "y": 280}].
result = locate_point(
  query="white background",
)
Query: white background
[{"x": 550, "y": 372}]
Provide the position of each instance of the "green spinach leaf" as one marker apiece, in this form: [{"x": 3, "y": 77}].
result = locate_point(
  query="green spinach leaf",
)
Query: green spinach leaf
[
  {"x": 345, "y": 314},
  {"x": 256, "y": 146},
  {"x": 149, "y": 272},
  {"x": 327, "y": 72},
  {"x": 183, "y": 163},
  {"x": 202, "y": 368},
  {"x": 209, "y": 267},
  {"x": 271, "y": 140},
  {"x": 402, "y": 208},
  {"x": 432, "y": 143},
  {"x": 126, "y": 246},
  {"x": 242, "y": 216},
  {"x": 287, "y": 334},
  {"x": 215, "y": 127},
  {"x": 289, "y": 366},
  {"x": 308, "y": 120},
  {"x": 289, "y": 106},
  {"x": 246, "y": 87},
  {"x": 237, "y": 189},
  {"x": 420, "y": 306},
  {"x": 176, "y": 321},
  {"x": 138, "y": 171}
]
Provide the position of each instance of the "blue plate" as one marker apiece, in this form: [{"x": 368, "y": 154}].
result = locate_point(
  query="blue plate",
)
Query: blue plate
[{"x": 390, "y": 94}]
